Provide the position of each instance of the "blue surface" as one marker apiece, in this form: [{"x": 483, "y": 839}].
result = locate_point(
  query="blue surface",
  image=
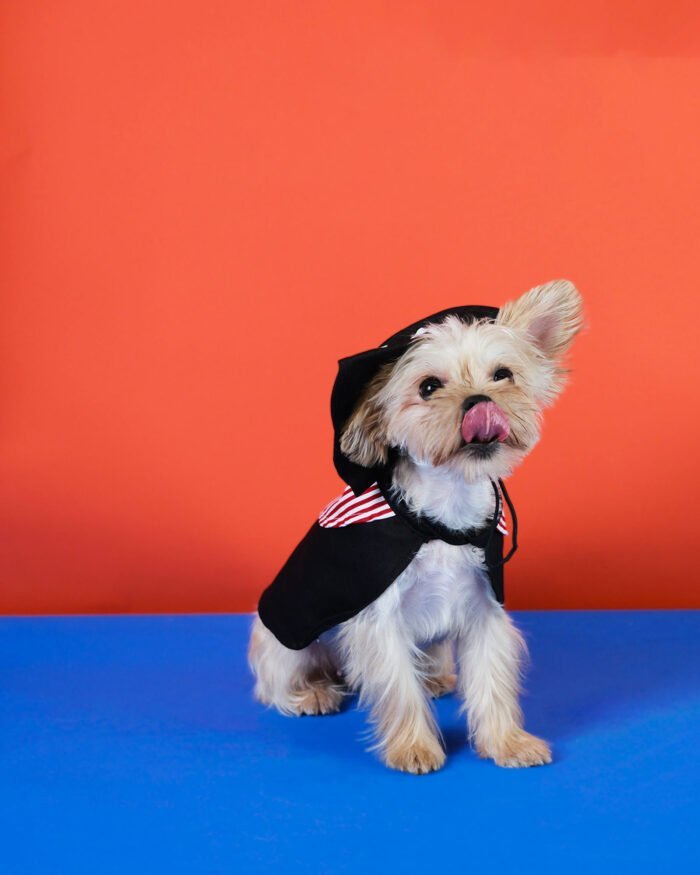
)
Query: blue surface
[{"x": 132, "y": 745}]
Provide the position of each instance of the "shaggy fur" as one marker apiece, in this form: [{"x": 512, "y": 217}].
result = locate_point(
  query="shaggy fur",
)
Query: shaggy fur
[{"x": 438, "y": 626}]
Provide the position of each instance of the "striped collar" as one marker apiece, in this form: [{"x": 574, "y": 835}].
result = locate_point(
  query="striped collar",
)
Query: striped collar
[{"x": 376, "y": 504}]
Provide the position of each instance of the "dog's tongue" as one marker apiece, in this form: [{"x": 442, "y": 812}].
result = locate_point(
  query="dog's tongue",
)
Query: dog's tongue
[{"x": 484, "y": 422}]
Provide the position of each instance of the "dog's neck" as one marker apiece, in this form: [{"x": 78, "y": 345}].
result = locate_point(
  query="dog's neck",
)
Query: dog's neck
[{"x": 442, "y": 494}]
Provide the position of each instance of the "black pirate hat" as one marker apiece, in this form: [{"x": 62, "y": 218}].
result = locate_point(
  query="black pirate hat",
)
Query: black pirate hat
[{"x": 355, "y": 372}]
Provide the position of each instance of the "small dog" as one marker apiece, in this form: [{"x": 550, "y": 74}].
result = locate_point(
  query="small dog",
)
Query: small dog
[{"x": 395, "y": 592}]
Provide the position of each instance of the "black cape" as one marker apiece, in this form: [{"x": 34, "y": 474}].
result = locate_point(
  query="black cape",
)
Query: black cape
[{"x": 334, "y": 573}]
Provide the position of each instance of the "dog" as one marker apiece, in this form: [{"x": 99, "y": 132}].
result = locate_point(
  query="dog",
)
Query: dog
[{"x": 402, "y": 563}]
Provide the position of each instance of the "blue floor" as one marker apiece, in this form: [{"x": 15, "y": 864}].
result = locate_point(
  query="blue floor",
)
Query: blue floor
[{"x": 132, "y": 745}]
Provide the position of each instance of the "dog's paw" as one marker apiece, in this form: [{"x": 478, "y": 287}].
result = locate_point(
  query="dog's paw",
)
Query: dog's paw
[
  {"x": 317, "y": 699},
  {"x": 418, "y": 759},
  {"x": 440, "y": 685},
  {"x": 518, "y": 749}
]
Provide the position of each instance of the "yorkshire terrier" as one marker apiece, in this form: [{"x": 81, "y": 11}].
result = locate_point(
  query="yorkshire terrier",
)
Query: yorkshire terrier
[{"x": 395, "y": 593}]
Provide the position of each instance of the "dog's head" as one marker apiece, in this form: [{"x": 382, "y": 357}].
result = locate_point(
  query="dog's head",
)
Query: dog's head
[{"x": 469, "y": 395}]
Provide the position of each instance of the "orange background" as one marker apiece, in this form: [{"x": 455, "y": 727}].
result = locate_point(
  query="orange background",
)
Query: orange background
[{"x": 206, "y": 204}]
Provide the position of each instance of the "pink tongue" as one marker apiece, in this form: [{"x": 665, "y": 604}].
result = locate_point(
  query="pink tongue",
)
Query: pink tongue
[{"x": 485, "y": 421}]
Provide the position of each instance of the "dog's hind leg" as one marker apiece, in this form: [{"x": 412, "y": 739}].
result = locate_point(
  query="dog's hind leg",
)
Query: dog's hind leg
[
  {"x": 438, "y": 666},
  {"x": 294, "y": 682}
]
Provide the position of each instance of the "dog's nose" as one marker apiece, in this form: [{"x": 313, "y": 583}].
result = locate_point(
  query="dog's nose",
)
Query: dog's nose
[{"x": 472, "y": 400}]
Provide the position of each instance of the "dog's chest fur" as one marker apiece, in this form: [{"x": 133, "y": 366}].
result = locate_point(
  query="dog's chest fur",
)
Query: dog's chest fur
[
  {"x": 432, "y": 595},
  {"x": 433, "y": 592}
]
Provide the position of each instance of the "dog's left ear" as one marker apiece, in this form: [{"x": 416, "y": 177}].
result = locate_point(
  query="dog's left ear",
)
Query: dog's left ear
[
  {"x": 363, "y": 439},
  {"x": 551, "y": 315}
]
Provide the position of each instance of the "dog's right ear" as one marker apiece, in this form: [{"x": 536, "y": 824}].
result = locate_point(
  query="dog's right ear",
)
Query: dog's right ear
[
  {"x": 363, "y": 439},
  {"x": 550, "y": 315}
]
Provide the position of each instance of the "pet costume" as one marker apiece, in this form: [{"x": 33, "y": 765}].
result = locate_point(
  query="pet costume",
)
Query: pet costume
[{"x": 366, "y": 537}]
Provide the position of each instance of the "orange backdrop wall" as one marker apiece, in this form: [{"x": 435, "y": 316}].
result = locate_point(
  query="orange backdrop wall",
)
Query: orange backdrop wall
[{"x": 206, "y": 204}]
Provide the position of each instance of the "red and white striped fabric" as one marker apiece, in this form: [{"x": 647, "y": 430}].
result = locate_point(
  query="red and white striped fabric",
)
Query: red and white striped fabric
[
  {"x": 502, "y": 525},
  {"x": 348, "y": 509}
]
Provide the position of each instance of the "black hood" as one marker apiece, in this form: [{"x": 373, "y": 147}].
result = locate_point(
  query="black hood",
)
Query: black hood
[{"x": 356, "y": 371}]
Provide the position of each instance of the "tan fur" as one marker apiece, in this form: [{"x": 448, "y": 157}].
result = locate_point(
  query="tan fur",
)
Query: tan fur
[
  {"x": 408, "y": 739},
  {"x": 440, "y": 674},
  {"x": 530, "y": 337},
  {"x": 417, "y": 757},
  {"x": 551, "y": 315},
  {"x": 294, "y": 682},
  {"x": 364, "y": 437},
  {"x": 319, "y": 697},
  {"x": 400, "y": 650},
  {"x": 491, "y": 654},
  {"x": 516, "y": 749}
]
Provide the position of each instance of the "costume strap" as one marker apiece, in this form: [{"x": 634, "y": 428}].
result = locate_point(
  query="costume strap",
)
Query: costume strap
[{"x": 499, "y": 489}]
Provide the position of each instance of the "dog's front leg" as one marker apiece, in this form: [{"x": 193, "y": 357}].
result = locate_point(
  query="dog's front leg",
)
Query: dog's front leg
[
  {"x": 490, "y": 652},
  {"x": 382, "y": 663}
]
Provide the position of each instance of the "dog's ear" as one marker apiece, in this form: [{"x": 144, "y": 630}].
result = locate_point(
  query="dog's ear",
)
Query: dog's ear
[
  {"x": 363, "y": 440},
  {"x": 551, "y": 315}
]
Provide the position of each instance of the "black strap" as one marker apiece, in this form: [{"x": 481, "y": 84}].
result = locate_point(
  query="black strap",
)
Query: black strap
[
  {"x": 433, "y": 531},
  {"x": 499, "y": 488}
]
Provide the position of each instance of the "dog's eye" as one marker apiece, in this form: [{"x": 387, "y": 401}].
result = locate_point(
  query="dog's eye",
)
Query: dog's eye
[
  {"x": 503, "y": 374},
  {"x": 428, "y": 386}
]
